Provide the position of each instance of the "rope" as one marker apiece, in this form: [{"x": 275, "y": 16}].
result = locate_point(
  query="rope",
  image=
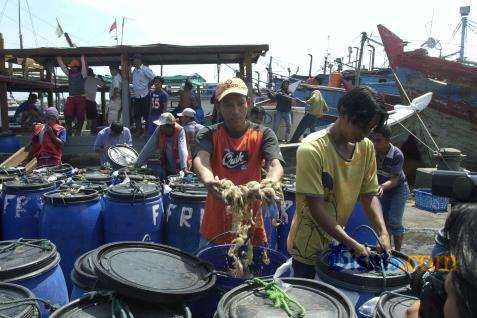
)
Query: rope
[
  {"x": 279, "y": 297},
  {"x": 3, "y": 10},
  {"x": 31, "y": 21},
  {"x": 43, "y": 244},
  {"x": 9, "y": 304},
  {"x": 239, "y": 199}
]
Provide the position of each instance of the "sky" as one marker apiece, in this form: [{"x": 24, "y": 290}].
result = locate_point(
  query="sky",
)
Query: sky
[{"x": 292, "y": 29}]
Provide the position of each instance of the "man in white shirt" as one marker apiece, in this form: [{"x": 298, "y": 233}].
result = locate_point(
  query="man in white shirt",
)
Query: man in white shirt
[
  {"x": 91, "y": 84},
  {"x": 114, "y": 106},
  {"x": 141, "y": 79}
]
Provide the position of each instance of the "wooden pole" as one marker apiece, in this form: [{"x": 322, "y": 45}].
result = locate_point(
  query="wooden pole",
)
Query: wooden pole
[
  {"x": 241, "y": 70},
  {"x": 50, "y": 91},
  {"x": 248, "y": 73},
  {"x": 103, "y": 105},
  {"x": 364, "y": 36},
  {"x": 125, "y": 74},
  {"x": 3, "y": 90}
]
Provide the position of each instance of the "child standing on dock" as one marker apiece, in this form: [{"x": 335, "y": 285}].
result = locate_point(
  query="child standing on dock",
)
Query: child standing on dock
[
  {"x": 394, "y": 189},
  {"x": 75, "y": 106}
]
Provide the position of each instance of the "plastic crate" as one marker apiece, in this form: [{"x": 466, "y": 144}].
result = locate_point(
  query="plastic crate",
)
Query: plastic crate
[{"x": 427, "y": 201}]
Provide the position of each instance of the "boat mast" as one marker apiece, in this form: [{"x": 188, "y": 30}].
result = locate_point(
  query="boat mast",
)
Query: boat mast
[
  {"x": 20, "y": 26},
  {"x": 464, "y": 12}
]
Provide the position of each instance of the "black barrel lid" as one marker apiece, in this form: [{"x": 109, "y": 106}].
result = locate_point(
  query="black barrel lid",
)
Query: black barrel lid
[
  {"x": 395, "y": 304},
  {"x": 100, "y": 305},
  {"x": 134, "y": 191},
  {"x": 12, "y": 292},
  {"x": 93, "y": 176},
  {"x": 30, "y": 183},
  {"x": 71, "y": 195},
  {"x": 25, "y": 258},
  {"x": 63, "y": 168},
  {"x": 317, "y": 298},
  {"x": 152, "y": 272},
  {"x": 12, "y": 171},
  {"x": 189, "y": 195},
  {"x": 349, "y": 277},
  {"x": 100, "y": 187},
  {"x": 122, "y": 155},
  {"x": 83, "y": 274},
  {"x": 5, "y": 178},
  {"x": 138, "y": 177}
]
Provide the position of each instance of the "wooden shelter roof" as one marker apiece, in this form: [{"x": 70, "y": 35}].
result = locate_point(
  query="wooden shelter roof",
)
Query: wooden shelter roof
[{"x": 153, "y": 54}]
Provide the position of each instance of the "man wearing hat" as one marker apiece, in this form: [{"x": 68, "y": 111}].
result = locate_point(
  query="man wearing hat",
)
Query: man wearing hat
[
  {"x": 169, "y": 142},
  {"x": 233, "y": 149},
  {"x": 75, "y": 106},
  {"x": 115, "y": 134},
  {"x": 191, "y": 127},
  {"x": 47, "y": 140},
  {"x": 141, "y": 80}
]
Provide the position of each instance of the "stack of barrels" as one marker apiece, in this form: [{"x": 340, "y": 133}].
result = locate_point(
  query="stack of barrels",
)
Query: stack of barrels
[{"x": 132, "y": 239}]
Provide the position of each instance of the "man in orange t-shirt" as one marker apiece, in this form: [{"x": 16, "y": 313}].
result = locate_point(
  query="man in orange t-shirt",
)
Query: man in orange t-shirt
[{"x": 233, "y": 149}]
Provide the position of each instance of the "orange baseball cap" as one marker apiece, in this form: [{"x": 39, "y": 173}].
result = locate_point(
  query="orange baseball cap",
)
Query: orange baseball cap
[{"x": 233, "y": 85}]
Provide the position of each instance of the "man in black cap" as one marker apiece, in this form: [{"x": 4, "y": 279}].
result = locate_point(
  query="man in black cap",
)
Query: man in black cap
[
  {"x": 113, "y": 135},
  {"x": 141, "y": 80}
]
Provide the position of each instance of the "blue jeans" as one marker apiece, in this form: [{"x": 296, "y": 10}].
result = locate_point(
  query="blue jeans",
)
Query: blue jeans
[
  {"x": 286, "y": 116},
  {"x": 393, "y": 203}
]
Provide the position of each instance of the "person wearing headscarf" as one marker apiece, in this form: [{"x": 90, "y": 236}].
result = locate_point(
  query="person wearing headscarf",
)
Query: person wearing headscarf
[{"x": 48, "y": 140}]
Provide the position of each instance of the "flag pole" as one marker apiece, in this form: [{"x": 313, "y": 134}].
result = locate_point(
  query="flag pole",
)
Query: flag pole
[
  {"x": 116, "y": 31},
  {"x": 122, "y": 31}
]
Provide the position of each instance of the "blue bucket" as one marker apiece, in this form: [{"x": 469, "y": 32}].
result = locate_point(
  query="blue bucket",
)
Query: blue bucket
[
  {"x": 133, "y": 212},
  {"x": 357, "y": 218},
  {"x": 340, "y": 270},
  {"x": 9, "y": 143},
  {"x": 183, "y": 219},
  {"x": 284, "y": 228},
  {"x": 22, "y": 203},
  {"x": 217, "y": 256},
  {"x": 34, "y": 264},
  {"x": 73, "y": 222},
  {"x": 83, "y": 276}
]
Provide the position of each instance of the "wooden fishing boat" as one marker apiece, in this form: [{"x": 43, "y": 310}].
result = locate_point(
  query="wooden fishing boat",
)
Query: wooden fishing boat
[{"x": 451, "y": 117}]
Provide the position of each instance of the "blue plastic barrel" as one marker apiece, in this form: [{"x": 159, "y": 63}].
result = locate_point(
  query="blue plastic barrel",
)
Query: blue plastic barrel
[
  {"x": 340, "y": 270},
  {"x": 9, "y": 143},
  {"x": 357, "y": 218},
  {"x": 72, "y": 220},
  {"x": 217, "y": 256},
  {"x": 25, "y": 306},
  {"x": 34, "y": 264},
  {"x": 156, "y": 166},
  {"x": 183, "y": 219},
  {"x": 83, "y": 276},
  {"x": 22, "y": 203},
  {"x": 133, "y": 212},
  {"x": 94, "y": 176}
]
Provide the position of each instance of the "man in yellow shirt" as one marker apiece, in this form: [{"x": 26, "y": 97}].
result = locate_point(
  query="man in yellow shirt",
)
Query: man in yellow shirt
[
  {"x": 317, "y": 106},
  {"x": 334, "y": 167}
]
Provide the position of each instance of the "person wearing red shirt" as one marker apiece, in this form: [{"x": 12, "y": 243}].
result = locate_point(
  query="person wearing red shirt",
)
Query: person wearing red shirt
[{"x": 233, "y": 149}]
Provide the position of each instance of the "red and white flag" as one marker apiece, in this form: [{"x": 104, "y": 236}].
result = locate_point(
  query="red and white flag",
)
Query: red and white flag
[{"x": 113, "y": 27}]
